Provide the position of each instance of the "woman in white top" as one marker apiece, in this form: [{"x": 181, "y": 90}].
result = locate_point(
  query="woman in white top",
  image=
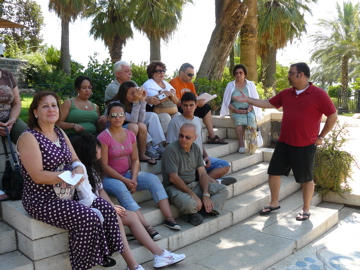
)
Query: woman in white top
[
  {"x": 243, "y": 114},
  {"x": 160, "y": 92}
]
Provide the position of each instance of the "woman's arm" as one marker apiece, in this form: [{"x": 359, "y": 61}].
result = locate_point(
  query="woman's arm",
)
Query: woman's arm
[
  {"x": 65, "y": 109},
  {"x": 14, "y": 112},
  {"x": 135, "y": 164},
  {"x": 31, "y": 159},
  {"x": 107, "y": 168},
  {"x": 133, "y": 116},
  {"x": 100, "y": 125}
]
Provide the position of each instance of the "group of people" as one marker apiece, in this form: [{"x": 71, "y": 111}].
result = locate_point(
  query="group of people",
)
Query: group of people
[{"x": 107, "y": 150}]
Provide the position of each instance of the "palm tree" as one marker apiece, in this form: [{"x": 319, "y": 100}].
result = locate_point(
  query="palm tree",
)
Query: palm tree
[
  {"x": 112, "y": 23},
  {"x": 230, "y": 16},
  {"x": 337, "y": 44},
  {"x": 248, "y": 39},
  {"x": 158, "y": 20},
  {"x": 279, "y": 22},
  {"x": 67, "y": 10}
]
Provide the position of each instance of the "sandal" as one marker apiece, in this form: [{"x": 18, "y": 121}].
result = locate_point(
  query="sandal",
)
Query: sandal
[
  {"x": 216, "y": 140},
  {"x": 302, "y": 216},
  {"x": 267, "y": 210},
  {"x": 108, "y": 262},
  {"x": 149, "y": 161}
]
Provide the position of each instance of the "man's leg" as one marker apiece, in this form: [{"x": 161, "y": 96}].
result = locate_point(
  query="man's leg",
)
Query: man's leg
[
  {"x": 209, "y": 124},
  {"x": 274, "y": 184},
  {"x": 307, "y": 192}
]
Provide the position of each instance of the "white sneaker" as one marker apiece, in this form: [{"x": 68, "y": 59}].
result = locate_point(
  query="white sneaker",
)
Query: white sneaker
[
  {"x": 167, "y": 258},
  {"x": 242, "y": 150},
  {"x": 137, "y": 268}
]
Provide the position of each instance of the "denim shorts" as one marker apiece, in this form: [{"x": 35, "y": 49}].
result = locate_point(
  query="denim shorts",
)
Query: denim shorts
[{"x": 217, "y": 163}]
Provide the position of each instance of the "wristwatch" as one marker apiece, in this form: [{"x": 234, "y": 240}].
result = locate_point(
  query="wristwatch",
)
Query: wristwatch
[
  {"x": 206, "y": 195},
  {"x": 321, "y": 138}
]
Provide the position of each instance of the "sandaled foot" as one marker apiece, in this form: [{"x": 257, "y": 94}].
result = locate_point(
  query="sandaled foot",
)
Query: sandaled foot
[
  {"x": 216, "y": 140},
  {"x": 302, "y": 216},
  {"x": 150, "y": 161},
  {"x": 268, "y": 209}
]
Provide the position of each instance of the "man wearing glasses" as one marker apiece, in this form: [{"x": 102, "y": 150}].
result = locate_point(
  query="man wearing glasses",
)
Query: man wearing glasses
[
  {"x": 303, "y": 106},
  {"x": 215, "y": 167},
  {"x": 185, "y": 179},
  {"x": 182, "y": 84}
]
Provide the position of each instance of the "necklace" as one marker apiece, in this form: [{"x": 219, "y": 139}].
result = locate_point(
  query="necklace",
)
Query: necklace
[{"x": 86, "y": 107}]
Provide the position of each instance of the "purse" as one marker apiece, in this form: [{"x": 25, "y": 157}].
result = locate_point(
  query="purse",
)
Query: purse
[
  {"x": 168, "y": 106},
  {"x": 12, "y": 180}
]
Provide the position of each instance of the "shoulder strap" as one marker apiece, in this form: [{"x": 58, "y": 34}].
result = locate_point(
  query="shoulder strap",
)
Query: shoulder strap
[
  {"x": 11, "y": 147},
  {"x": 5, "y": 148}
]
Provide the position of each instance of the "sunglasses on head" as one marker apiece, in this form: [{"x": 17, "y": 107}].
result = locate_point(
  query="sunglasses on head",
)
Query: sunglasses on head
[
  {"x": 120, "y": 114},
  {"x": 158, "y": 71},
  {"x": 190, "y": 74},
  {"x": 182, "y": 136}
]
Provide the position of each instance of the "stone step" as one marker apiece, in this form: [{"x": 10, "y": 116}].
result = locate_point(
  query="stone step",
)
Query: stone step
[
  {"x": 7, "y": 238},
  {"x": 15, "y": 261},
  {"x": 258, "y": 241}
]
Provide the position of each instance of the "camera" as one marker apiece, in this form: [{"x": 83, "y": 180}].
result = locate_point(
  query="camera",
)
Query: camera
[{"x": 161, "y": 96}]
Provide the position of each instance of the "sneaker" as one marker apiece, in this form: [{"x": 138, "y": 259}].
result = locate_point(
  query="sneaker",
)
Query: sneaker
[
  {"x": 242, "y": 150},
  {"x": 171, "y": 223},
  {"x": 138, "y": 268},
  {"x": 194, "y": 219},
  {"x": 167, "y": 258},
  {"x": 227, "y": 180},
  {"x": 151, "y": 152},
  {"x": 153, "y": 233}
]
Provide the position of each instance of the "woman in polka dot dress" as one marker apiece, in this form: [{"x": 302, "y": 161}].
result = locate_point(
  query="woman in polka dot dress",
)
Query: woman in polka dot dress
[{"x": 44, "y": 153}]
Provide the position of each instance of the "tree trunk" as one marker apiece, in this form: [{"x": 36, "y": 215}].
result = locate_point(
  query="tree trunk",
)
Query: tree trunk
[
  {"x": 65, "y": 47},
  {"x": 269, "y": 69},
  {"x": 222, "y": 39},
  {"x": 115, "y": 48},
  {"x": 232, "y": 60},
  {"x": 344, "y": 100},
  {"x": 248, "y": 34},
  {"x": 155, "y": 54}
]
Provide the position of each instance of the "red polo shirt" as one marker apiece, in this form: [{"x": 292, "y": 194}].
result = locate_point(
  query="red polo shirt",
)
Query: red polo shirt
[{"x": 302, "y": 114}]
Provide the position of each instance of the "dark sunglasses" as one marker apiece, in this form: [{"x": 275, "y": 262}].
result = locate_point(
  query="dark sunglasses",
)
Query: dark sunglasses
[
  {"x": 190, "y": 75},
  {"x": 120, "y": 114},
  {"x": 158, "y": 71},
  {"x": 182, "y": 136}
]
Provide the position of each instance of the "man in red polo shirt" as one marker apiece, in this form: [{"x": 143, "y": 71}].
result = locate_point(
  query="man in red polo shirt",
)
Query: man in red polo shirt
[{"x": 303, "y": 106}]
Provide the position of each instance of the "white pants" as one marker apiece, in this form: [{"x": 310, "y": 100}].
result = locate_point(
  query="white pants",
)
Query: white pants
[
  {"x": 165, "y": 120},
  {"x": 155, "y": 130}
]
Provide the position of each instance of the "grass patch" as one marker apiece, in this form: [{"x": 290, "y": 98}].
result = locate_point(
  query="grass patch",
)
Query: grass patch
[{"x": 25, "y": 104}]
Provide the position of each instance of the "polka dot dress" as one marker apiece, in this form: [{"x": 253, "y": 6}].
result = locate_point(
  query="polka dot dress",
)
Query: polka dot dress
[{"x": 89, "y": 240}]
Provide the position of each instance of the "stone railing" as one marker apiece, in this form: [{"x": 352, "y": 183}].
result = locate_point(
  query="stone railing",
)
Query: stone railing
[{"x": 14, "y": 66}]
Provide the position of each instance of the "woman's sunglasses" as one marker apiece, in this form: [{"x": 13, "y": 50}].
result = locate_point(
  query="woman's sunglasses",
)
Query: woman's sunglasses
[
  {"x": 159, "y": 71},
  {"x": 120, "y": 115}
]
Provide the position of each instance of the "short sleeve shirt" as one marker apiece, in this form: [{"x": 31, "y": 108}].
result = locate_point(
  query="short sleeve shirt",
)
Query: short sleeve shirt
[
  {"x": 176, "y": 160},
  {"x": 7, "y": 84},
  {"x": 118, "y": 153},
  {"x": 302, "y": 114},
  {"x": 182, "y": 87}
]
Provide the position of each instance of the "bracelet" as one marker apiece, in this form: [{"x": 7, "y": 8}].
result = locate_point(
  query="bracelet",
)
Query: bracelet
[
  {"x": 206, "y": 195},
  {"x": 321, "y": 138},
  {"x": 13, "y": 119},
  {"x": 74, "y": 126},
  {"x": 76, "y": 163}
]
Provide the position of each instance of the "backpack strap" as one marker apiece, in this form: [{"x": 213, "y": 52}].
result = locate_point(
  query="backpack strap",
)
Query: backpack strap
[{"x": 11, "y": 147}]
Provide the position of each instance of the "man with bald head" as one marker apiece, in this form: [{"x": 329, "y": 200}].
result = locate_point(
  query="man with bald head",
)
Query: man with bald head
[{"x": 186, "y": 181}]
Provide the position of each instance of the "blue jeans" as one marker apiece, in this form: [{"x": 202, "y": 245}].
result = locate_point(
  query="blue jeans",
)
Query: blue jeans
[
  {"x": 145, "y": 181},
  {"x": 217, "y": 163}
]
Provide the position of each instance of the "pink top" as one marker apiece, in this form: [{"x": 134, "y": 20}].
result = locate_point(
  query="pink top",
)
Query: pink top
[{"x": 118, "y": 153}]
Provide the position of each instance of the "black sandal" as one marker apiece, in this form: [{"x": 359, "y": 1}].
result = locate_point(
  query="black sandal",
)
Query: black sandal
[
  {"x": 108, "y": 262},
  {"x": 216, "y": 140}
]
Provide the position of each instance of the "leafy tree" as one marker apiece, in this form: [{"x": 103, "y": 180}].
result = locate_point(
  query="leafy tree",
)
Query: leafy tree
[
  {"x": 27, "y": 13},
  {"x": 67, "y": 10},
  {"x": 158, "y": 20},
  {"x": 111, "y": 23},
  {"x": 337, "y": 44},
  {"x": 279, "y": 22}
]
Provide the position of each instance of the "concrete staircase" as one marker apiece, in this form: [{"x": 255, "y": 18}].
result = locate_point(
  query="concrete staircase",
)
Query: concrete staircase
[{"x": 239, "y": 233}]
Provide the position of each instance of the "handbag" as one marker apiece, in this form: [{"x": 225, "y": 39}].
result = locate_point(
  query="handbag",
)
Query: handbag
[
  {"x": 168, "y": 106},
  {"x": 12, "y": 180}
]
